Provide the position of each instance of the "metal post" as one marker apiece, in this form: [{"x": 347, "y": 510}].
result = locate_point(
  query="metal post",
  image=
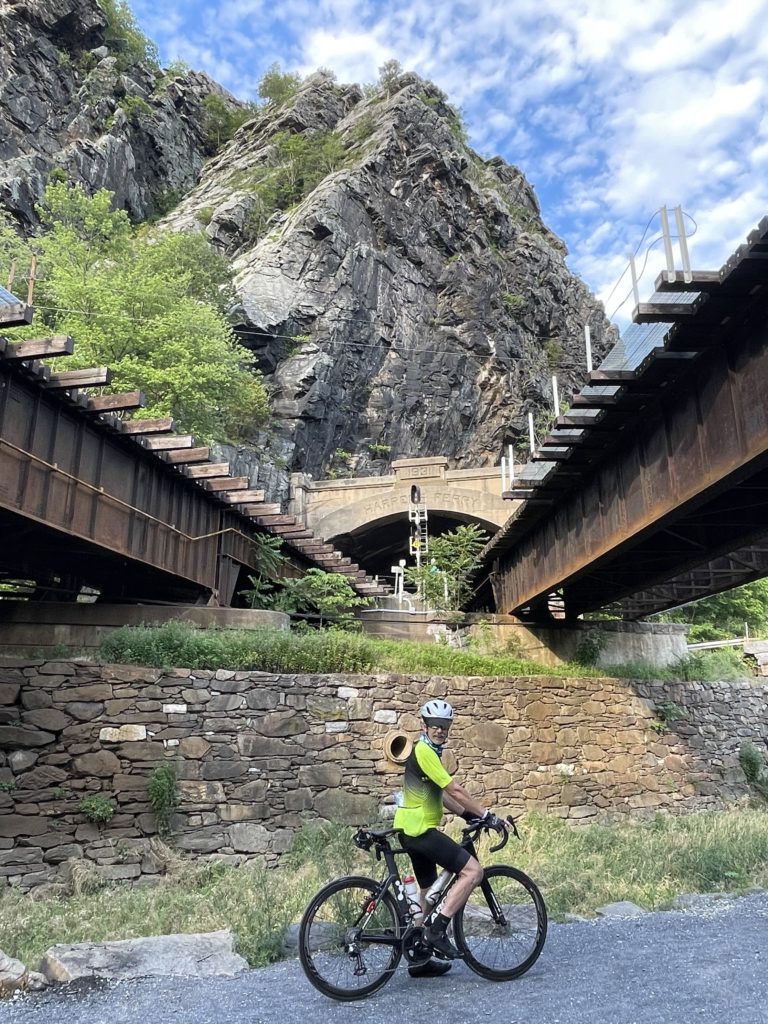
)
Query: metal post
[
  {"x": 531, "y": 433},
  {"x": 683, "y": 239},
  {"x": 667, "y": 243},
  {"x": 511, "y": 464},
  {"x": 588, "y": 346},
  {"x": 633, "y": 274},
  {"x": 555, "y": 397},
  {"x": 503, "y": 474}
]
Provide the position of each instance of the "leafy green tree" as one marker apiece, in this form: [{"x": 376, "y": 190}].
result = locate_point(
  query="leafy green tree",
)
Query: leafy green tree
[
  {"x": 277, "y": 87},
  {"x": 150, "y": 307},
  {"x": 445, "y": 582},
  {"x": 327, "y": 594},
  {"x": 389, "y": 73},
  {"x": 267, "y": 558},
  {"x": 124, "y": 37},
  {"x": 221, "y": 120},
  {"x": 724, "y": 616}
]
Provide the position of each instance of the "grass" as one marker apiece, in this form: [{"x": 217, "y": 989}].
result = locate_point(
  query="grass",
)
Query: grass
[
  {"x": 578, "y": 869},
  {"x": 178, "y": 644}
]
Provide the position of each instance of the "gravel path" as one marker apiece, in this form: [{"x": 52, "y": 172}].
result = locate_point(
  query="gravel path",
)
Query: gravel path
[{"x": 705, "y": 965}]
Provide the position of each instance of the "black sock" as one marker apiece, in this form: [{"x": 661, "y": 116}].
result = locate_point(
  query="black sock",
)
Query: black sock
[{"x": 440, "y": 923}]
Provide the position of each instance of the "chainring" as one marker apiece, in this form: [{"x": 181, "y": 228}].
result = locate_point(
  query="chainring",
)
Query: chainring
[{"x": 415, "y": 949}]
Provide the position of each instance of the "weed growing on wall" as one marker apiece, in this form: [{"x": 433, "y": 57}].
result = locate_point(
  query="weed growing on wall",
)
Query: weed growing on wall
[{"x": 163, "y": 794}]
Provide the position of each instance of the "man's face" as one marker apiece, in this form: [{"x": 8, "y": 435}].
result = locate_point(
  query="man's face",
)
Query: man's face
[{"x": 437, "y": 729}]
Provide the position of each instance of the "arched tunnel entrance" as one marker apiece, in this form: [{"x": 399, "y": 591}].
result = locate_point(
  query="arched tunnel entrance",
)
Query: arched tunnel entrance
[{"x": 378, "y": 545}]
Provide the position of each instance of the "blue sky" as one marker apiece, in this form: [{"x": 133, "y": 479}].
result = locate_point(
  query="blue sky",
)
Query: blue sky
[{"x": 611, "y": 109}]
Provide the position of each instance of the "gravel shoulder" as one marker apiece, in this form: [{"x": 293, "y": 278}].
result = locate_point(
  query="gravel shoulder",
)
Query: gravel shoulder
[{"x": 707, "y": 964}]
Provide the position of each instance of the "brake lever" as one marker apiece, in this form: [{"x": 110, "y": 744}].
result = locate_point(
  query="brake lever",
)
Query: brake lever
[{"x": 513, "y": 823}]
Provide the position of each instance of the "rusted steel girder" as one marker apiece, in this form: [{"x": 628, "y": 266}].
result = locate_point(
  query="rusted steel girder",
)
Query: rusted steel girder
[
  {"x": 107, "y": 513},
  {"x": 689, "y": 485}
]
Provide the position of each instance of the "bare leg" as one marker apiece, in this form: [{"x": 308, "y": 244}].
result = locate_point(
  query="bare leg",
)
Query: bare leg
[{"x": 469, "y": 876}]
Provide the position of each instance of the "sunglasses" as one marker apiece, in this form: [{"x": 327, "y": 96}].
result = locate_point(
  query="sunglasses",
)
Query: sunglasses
[{"x": 438, "y": 723}]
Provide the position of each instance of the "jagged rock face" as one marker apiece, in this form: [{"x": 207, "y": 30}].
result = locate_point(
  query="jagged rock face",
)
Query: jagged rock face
[
  {"x": 436, "y": 303},
  {"x": 67, "y": 102}
]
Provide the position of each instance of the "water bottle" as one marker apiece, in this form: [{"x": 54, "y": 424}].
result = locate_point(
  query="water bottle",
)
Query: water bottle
[
  {"x": 414, "y": 899},
  {"x": 435, "y": 890}
]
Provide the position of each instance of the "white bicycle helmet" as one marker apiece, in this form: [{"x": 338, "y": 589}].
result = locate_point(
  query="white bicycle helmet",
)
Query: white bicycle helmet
[{"x": 437, "y": 712}]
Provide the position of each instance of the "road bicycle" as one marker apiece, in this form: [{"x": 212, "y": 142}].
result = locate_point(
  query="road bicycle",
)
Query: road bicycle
[{"x": 356, "y": 930}]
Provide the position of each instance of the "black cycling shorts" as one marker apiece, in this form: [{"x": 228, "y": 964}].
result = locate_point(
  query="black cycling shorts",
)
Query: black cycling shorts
[{"x": 430, "y": 848}]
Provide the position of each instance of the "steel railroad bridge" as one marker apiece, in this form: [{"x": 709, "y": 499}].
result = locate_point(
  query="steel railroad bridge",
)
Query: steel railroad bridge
[
  {"x": 127, "y": 507},
  {"x": 652, "y": 489}
]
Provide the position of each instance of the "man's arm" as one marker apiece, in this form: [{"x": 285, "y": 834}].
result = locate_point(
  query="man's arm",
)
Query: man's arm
[{"x": 456, "y": 799}]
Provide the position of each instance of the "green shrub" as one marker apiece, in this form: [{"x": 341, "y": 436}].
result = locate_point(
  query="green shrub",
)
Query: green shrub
[
  {"x": 133, "y": 106},
  {"x": 590, "y": 647},
  {"x": 512, "y": 301},
  {"x": 124, "y": 37},
  {"x": 163, "y": 794},
  {"x": 98, "y": 808}
]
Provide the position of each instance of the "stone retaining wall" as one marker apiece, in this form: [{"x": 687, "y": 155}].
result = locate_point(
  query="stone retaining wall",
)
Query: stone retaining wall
[{"x": 257, "y": 755}]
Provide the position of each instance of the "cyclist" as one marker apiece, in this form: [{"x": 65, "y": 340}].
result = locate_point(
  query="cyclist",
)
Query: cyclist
[{"x": 428, "y": 789}]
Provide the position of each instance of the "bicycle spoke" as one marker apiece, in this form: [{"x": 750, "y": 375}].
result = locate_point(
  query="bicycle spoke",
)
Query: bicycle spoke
[
  {"x": 503, "y": 925},
  {"x": 349, "y": 943}
]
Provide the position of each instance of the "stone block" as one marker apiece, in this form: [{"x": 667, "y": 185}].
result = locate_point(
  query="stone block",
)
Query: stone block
[
  {"x": 545, "y": 753},
  {"x": 85, "y": 711},
  {"x": 326, "y": 708},
  {"x": 123, "y": 734},
  {"x": 345, "y": 807},
  {"x": 9, "y": 692},
  {"x": 298, "y": 800},
  {"x": 261, "y": 700},
  {"x": 58, "y": 854},
  {"x": 14, "y": 825},
  {"x": 385, "y": 717},
  {"x": 224, "y": 702},
  {"x": 221, "y": 769},
  {"x": 248, "y": 837},
  {"x": 20, "y": 760},
  {"x": 281, "y": 723},
  {"x": 325, "y": 775},
  {"x": 194, "y": 747},
  {"x": 42, "y": 777},
  {"x": 347, "y": 692},
  {"x": 16, "y": 737},
  {"x": 173, "y": 709},
  {"x": 32, "y": 699},
  {"x": 334, "y": 727},
  {"x": 47, "y": 718},
  {"x": 90, "y": 692},
  {"x": 253, "y": 745},
  {"x": 488, "y": 735},
  {"x": 103, "y": 764},
  {"x": 242, "y": 812},
  {"x": 194, "y": 792},
  {"x": 142, "y": 751},
  {"x": 250, "y": 791}
]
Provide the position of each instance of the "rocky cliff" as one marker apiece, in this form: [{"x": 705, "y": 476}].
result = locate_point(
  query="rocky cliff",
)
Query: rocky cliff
[
  {"x": 71, "y": 103},
  {"x": 412, "y": 302},
  {"x": 403, "y": 295}
]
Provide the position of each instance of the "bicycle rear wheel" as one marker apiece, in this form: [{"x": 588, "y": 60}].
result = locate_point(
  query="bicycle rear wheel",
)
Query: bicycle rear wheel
[
  {"x": 502, "y": 928},
  {"x": 350, "y": 938}
]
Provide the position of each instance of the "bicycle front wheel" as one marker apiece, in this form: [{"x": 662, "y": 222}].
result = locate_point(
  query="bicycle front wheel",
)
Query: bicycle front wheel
[
  {"x": 502, "y": 927},
  {"x": 350, "y": 938}
]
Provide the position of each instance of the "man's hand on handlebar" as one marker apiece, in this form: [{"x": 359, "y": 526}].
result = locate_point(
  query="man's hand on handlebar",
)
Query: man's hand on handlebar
[{"x": 497, "y": 824}]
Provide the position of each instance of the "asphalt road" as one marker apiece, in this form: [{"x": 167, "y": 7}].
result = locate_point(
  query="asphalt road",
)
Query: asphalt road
[{"x": 706, "y": 965}]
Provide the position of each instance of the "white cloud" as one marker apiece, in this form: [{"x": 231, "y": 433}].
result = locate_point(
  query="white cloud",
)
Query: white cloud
[{"x": 611, "y": 109}]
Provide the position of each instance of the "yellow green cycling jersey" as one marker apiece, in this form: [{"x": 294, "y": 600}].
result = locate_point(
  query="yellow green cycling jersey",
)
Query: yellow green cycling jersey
[{"x": 424, "y": 780}]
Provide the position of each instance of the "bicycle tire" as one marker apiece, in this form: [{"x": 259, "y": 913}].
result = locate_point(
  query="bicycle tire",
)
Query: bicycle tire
[
  {"x": 498, "y": 951},
  {"x": 338, "y": 963}
]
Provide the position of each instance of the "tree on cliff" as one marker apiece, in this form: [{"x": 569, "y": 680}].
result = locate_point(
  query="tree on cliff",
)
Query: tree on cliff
[{"x": 149, "y": 306}]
